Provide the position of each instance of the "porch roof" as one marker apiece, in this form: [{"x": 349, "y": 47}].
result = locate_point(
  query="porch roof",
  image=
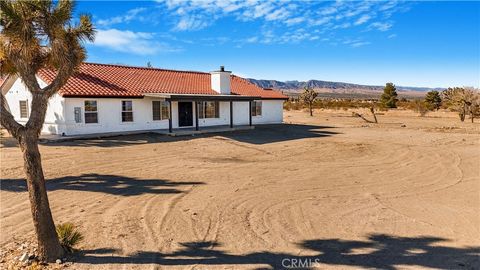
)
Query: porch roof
[{"x": 198, "y": 97}]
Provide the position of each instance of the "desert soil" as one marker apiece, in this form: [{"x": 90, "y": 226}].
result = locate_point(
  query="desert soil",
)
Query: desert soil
[{"x": 330, "y": 189}]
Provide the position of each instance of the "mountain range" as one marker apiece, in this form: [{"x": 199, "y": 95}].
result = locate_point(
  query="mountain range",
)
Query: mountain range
[{"x": 338, "y": 88}]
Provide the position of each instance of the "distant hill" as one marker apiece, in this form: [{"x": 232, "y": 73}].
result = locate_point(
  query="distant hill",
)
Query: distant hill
[{"x": 338, "y": 88}]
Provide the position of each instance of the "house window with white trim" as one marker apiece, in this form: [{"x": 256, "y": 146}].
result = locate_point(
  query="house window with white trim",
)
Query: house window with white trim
[
  {"x": 161, "y": 110},
  {"x": 209, "y": 109},
  {"x": 91, "y": 113},
  {"x": 256, "y": 108},
  {"x": 127, "y": 111},
  {"x": 23, "y": 108}
]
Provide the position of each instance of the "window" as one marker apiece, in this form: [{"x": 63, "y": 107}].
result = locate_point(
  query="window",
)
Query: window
[
  {"x": 127, "y": 111},
  {"x": 23, "y": 108},
  {"x": 91, "y": 114},
  {"x": 208, "y": 109},
  {"x": 256, "y": 108},
  {"x": 161, "y": 110},
  {"x": 77, "y": 111}
]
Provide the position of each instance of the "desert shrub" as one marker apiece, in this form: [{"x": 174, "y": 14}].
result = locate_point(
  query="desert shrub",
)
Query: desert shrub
[
  {"x": 69, "y": 236},
  {"x": 461, "y": 100},
  {"x": 292, "y": 105},
  {"x": 420, "y": 107}
]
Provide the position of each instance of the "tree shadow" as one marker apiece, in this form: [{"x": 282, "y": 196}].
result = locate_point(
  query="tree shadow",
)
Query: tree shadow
[
  {"x": 114, "y": 141},
  {"x": 265, "y": 134},
  {"x": 378, "y": 251},
  {"x": 6, "y": 142},
  {"x": 104, "y": 183},
  {"x": 262, "y": 134}
]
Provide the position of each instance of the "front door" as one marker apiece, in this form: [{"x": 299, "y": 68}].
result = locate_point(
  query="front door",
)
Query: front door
[{"x": 185, "y": 114}]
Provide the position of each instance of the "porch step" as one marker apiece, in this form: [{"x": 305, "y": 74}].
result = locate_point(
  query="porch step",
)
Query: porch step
[{"x": 205, "y": 130}]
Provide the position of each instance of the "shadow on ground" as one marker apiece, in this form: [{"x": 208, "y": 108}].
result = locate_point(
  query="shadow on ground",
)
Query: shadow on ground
[
  {"x": 262, "y": 134},
  {"x": 378, "y": 251},
  {"x": 110, "y": 184}
]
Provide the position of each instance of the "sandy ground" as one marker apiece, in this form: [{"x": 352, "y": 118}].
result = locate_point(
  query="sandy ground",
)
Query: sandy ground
[{"x": 330, "y": 190}]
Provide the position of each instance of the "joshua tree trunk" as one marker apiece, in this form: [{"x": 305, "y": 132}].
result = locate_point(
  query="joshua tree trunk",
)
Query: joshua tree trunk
[
  {"x": 311, "y": 109},
  {"x": 49, "y": 248},
  {"x": 372, "y": 110}
]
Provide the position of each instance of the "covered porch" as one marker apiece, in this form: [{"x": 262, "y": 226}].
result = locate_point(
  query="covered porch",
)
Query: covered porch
[{"x": 187, "y": 114}]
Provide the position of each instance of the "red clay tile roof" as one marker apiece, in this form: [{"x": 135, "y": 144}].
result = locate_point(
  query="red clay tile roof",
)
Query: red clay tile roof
[{"x": 120, "y": 81}]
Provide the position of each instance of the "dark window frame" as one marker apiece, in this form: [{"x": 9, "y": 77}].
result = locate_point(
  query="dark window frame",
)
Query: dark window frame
[
  {"x": 161, "y": 111},
  {"x": 257, "y": 108},
  {"x": 206, "y": 112}
]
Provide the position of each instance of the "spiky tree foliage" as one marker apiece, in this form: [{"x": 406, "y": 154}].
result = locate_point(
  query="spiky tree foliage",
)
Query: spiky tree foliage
[
  {"x": 389, "y": 96},
  {"x": 68, "y": 236},
  {"x": 308, "y": 97},
  {"x": 461, "y": 100},
  {"x": 39, "y": 34},
  {"x": 433, "y": 100}
]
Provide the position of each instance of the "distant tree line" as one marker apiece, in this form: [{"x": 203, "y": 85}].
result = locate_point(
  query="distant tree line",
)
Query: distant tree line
[{"x": 463, "y": 100}]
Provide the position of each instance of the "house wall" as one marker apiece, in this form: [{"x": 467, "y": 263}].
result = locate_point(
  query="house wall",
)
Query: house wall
[
  {"x": 109, "y": 115},
  {"x": 60, "y": 116},
  {"x": 272, "y": 113},
  {"x": 54, "y": 120}
]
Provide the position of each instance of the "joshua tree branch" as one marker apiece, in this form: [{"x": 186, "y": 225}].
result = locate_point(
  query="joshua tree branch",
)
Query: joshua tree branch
[{"x": 7, "y": 120}]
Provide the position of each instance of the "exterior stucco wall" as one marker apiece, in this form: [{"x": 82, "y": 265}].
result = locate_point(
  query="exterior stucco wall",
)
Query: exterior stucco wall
[
  {"x": 272, "y": 113},
  {"x": 54, "y": 117},
  {"x": 110, "y": 116},
  {"x": 60, "y": 116}
]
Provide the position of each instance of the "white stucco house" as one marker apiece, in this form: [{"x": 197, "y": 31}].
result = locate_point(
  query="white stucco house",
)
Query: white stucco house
[{"x": 103, "y": 98}]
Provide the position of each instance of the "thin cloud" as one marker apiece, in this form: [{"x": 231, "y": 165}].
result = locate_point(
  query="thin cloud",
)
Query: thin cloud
[
  {"x": 359, "y": 44},
  {"x": 381, "y": 26},
  {"x": 140, "y": 43},
  {"x": 363, "y": 19},
  {"x": 129, "y": 16}
]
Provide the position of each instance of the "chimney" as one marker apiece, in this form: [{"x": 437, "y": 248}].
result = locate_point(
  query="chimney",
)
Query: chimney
[{"x": 221, "y": 81}]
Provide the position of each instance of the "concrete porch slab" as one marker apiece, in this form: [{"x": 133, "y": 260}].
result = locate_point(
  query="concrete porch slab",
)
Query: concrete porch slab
[
  {"x": 175, "y": 132},
  {"x": 205, "y": 130}
]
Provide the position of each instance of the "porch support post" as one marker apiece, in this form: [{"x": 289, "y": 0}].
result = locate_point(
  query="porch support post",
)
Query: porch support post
[
  {"x": 170, "y": 118},
  {"x": 196, "y": 115},
  {"x": 231, "y": 114},
  {"x": 250, "y": 112}
]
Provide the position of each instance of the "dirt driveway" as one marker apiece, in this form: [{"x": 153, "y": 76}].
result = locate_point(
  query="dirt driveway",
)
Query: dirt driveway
[{"x": 330, "y": 190}]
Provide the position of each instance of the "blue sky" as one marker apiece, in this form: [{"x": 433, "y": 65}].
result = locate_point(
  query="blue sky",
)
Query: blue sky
[{"x": 435, "y": 44}]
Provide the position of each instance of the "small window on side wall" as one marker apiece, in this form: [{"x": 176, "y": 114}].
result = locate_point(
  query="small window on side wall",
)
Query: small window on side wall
[
  {"x": 127, "y": 111},
  {"x": 77, "y": 111},
  {"x": 256, "y": 108},
  {"x": 23, "y": 108},
  {"x": 91, "y": 113}
]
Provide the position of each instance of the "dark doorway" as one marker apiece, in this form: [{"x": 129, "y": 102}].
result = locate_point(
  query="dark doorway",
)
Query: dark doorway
[{"x": 185, "y": 114}]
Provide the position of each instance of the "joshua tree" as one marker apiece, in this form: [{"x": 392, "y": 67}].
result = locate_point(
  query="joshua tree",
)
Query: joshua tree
[
  {"x": 308, "y": 97},
  {"x": 461, "y": 100},
  {"x": 36, "y": 35},
  {"x": 433, "y": 100},
  {"x": 389, "y": 96}
]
